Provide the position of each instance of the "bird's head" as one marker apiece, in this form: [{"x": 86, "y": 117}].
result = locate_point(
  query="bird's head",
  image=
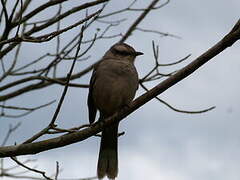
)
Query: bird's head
[{"x": 122, "y": 51}]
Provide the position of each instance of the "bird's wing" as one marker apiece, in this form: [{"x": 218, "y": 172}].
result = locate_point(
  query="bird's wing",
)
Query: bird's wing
[{"x": 92, "y": 110}]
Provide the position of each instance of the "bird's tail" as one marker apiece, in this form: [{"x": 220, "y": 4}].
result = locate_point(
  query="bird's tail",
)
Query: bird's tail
[{"x": 108, "y": 154}]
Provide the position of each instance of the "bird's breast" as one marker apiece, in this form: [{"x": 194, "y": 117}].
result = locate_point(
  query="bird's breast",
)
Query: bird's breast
[{"x": 115, "y": 86}]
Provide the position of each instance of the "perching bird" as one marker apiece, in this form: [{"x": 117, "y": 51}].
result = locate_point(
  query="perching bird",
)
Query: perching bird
[{"x": 113, "y": 85}]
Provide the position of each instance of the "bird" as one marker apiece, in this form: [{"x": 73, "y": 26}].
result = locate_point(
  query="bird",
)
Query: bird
[{"x": 113, "y": 85}]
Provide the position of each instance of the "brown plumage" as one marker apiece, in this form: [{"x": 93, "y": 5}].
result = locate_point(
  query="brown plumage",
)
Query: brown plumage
[{"x": 113, "y": 85}]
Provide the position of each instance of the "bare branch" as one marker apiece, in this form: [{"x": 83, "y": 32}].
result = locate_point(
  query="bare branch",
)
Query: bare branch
[
  {"x": 56, "y": 130},
  {"x": 177, "y": 62},
  {"x": 31, "y": 169},
  {"x": 139, "y": 19},
  {"x": 23, "y": 8},
  {"x": 10, "y": 131},
  {"x": 42, "y": 84},
  {"x": 29, "y": 110},
  {"x": 16, "y": 166},
  {"x": 13, "y": 10},
  {"x": 178, "y": 110},
  {"x": 38, "y": 10},
  {"x": 35, "y": 29},
  {"x": 13, "y": 63},
  {"x": 158, "y": 32},
  {"x": 5, "y": 12},
  {"x": 49, "y": 36},
  {"x": 52, "y": 123},
  {"x": 57, "y": 171},
  {"x": 67, "y": 82}
]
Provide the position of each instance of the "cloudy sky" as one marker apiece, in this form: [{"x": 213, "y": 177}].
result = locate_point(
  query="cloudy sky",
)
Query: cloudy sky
[{"x": 158, "y": 142}]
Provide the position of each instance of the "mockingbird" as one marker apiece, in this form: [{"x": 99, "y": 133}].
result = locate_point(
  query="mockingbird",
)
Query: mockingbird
[{"x": 112, "y": 86}]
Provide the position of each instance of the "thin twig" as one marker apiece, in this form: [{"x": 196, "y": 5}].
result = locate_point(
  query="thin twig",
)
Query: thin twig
[
  {"x": 158, "y": 32},
  {"x": 178, "y": 110},
  {"x": 67, "y": 82},
  {"x": 31, "y": 169},
  {"x": 139, "y": 20},
  {"x": 10, "y": 131},
  {"x": 51, "y": 124},
  {"x": 29, "y": 110}
]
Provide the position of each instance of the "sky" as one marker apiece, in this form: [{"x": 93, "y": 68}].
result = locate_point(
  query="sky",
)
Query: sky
[{"x": 158, "y": 143}]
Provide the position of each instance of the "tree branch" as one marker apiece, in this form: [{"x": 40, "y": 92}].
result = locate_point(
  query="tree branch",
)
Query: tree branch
[{"x": 139, "y": 19}]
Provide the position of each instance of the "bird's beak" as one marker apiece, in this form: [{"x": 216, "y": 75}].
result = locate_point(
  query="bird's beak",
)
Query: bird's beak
[{"x": 138, "y": 53}]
